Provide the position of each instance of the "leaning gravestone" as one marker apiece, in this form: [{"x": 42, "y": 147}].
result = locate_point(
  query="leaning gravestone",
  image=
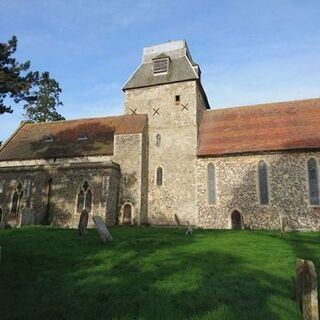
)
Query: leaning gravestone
[
  {"x": 176, "y": 218},
  {"x": 306, "y": 289},
  {"x": 27, "y": 216},
  {"x": 102, "y": 229},
  {"x": 83, "y": 222}
]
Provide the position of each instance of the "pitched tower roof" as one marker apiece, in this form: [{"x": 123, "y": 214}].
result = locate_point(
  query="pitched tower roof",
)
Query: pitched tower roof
[{"x": 182, "y": 67}]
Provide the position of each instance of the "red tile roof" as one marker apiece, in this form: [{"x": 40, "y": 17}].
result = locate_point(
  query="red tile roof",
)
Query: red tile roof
[
  {"x": 292, "y": 125},
  {"x": 28, "y": 141}
]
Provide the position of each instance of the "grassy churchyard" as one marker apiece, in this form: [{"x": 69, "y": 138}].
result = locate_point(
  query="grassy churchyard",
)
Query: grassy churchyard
[{"x": 151, "y": 273}]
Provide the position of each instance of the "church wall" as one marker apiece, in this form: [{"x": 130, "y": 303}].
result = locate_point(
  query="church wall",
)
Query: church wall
[
  {"x": 128, "y": 153},
  {"x": 237, "y": 188},
  {"x": 66, "y": 181},
  {"x": 201, "y": 104},
  {"x": 65, "y": 188},
  {"x": 11, "y": 178},
  {"x": 58, "y": 161},
  {"x": 177, "y": 153}
]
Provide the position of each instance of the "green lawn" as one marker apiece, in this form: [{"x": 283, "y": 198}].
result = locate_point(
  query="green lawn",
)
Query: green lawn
[{"x": 150, "y": 273}]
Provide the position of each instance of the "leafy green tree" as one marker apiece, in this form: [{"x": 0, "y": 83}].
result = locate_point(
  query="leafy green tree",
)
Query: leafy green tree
[
  {"x": 15, "y": 81},
  {"x": 45, "y": 100}
]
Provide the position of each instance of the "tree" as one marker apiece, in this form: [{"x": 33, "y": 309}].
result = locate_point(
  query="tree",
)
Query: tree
[
  {"x": 15, "y": 81},
  {"x": 45, "y": 99}
]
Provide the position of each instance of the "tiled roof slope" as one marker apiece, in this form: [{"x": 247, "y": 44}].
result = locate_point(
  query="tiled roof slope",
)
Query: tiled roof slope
[
  {"x": 292, "y": 125},
  {"x": 27, "y": 142},
  {"x": 180, "y": 70}
]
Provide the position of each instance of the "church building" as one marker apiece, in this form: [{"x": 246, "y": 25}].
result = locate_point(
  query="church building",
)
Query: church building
[{"x": 169, "y": 159}]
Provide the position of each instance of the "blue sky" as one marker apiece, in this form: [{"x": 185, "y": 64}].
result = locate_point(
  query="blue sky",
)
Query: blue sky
[{"x": 250, "y": 51}]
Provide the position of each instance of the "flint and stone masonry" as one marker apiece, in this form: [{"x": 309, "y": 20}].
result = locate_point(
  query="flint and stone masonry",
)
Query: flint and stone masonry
[{"x": 150, "y": 165}]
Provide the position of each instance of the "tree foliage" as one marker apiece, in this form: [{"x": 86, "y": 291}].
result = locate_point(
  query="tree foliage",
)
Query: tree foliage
[
  {"x": 45, "y": 99},
  {"x": 39, "y": 93},
  {"x": 15, "y": 81}
]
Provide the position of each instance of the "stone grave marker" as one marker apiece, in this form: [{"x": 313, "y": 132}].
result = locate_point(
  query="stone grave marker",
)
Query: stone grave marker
[
  {"x": 176, "y": 218},
  {"x": 27, "y": 216},
  {"x": 306, "y": 291},
  {"x": 83, "y": 222},
  {"x": 189, "y": 229},
  {"x": 102, "y": 229},
  {"x": 283, "y": 224}
]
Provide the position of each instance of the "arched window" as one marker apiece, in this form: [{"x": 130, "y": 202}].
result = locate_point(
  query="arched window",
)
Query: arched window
[
  {"x": 158, "y": 140},
  {"x": 159, "y": 178},
  {"x": 16, "y": 203},
  {"x": 263, "y": 183},
  {"x": 211, "y": 175},
  {"x": 313, "y": 181},
  {"x": 84, "y": 198}
]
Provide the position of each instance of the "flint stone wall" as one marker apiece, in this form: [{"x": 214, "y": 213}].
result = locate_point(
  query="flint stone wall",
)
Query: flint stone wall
[
  {"x": 177, "y": 152},
  {"x": 66, "y": 181},
  {"x": 237, "y": 188},
  {"x": 130, "y": 153}
]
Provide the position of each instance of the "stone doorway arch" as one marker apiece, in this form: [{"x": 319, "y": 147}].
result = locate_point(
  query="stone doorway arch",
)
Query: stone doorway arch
[
  {"x": 236, "y": 220},
  {"x": 127, "y": 214}
]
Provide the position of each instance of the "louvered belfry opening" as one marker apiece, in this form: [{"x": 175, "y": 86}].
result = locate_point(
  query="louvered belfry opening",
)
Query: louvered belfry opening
[{"x": 160, "y": 66}]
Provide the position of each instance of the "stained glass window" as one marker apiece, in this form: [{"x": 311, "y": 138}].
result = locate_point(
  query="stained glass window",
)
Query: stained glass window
[
  {"x": 159, "y": 179},
  {"x": 211, "y": 183},
  {"x": 263, "y": 183},
  {"x": 313, "y": 181}
]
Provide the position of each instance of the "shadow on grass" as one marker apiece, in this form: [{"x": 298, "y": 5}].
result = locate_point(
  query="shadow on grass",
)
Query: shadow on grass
[{"x": 145, "y": 273}]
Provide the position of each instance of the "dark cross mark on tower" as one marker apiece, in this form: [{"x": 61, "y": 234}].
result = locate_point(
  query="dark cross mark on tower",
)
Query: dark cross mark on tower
[
  {"x": 156, "y": 111},
  {"x": 184, "y": 107},
  {"x": 133, "y": 111}
]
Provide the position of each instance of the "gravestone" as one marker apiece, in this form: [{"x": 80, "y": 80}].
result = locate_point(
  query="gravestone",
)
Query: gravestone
[
  {"x": 283, "y": 224},
  {"x": 176, "y": 218},
  {"x": 189, "y": 229},
  {"x": 102, "y": 229},
  {"x": 83, "y": 222},
  {"x": 306, "y": 291},
  {"x": 27, "y": 216}
]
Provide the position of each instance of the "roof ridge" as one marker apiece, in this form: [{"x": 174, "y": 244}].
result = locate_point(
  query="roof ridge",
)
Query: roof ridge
[
  {"x": 267, "y": 104},
  {"x": 80, "y": 119}
]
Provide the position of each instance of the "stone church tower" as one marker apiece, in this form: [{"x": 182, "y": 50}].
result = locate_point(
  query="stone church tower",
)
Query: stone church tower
[{"x": 167, "y": 87}]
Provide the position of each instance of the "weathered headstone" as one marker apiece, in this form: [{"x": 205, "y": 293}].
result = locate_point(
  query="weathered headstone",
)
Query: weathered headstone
[
  {"x": 176, "y": 218},
  {"x": 27, "y": 216},
  {"x": 83, "y": 222},
  {"x": 189, "y": 229},
  {"x": 306, "y": 291},
  {"x": 102, "y": 229},
  {"x": 283, "y": 224}
]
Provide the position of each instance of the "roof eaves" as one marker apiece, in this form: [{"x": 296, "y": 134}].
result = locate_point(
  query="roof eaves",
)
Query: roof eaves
[
  {"x": 12, "y": 136},
  {"x": 202, "y": 154},
  {"x": 132, "y": 74},
  {"x": 159, "y": 84}
]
